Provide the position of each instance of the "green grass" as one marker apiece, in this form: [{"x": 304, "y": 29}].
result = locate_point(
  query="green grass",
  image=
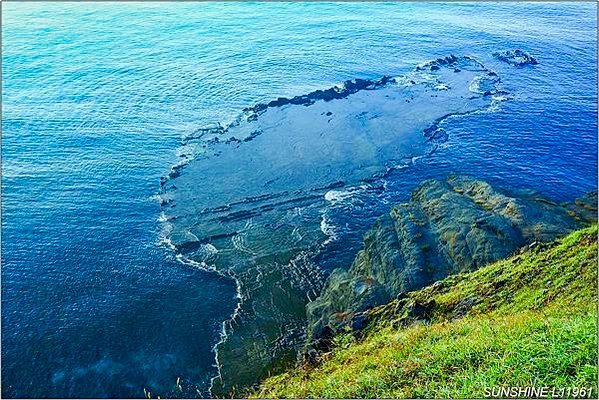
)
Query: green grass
[{"x": 531, "y": 320}]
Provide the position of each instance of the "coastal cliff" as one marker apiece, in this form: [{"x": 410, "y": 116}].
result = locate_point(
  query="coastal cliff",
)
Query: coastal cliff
[
  {"x": 451, "y": 226},
  {"x": 529, "y": 320}
]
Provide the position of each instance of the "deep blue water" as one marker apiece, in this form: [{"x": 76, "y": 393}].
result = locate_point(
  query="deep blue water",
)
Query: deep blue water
[{"x": 97, "y": 98}]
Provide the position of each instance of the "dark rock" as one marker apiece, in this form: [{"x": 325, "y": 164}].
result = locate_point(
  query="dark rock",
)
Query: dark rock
[
  {"x": 323, "y": 344},
  {"x": 252, "y": 136},
  {"x": 464, "y": 306},
  {"x": 516, "y": 57},
  {"x": 450, "y": 226},
  {"x": 232, "y": 139},
  {"x": 175, "y": 172},
  {"x": 401, "y": 296},
  {"x": 584, "y": 208},
  {"x": 439, "y": 136},
  {"x": 413, "y": 312},
  {"x": 421, "y": 311},
  {"x": 349, "y": 87},
  {"x": 359, "y": 321}
]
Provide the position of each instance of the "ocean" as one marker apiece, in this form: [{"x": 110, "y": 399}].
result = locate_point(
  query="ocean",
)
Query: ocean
[{"x": 131, "y": 236}]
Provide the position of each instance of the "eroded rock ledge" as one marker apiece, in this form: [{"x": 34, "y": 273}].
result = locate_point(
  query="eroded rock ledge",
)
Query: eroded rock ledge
[{"x": 448, "y": 227}]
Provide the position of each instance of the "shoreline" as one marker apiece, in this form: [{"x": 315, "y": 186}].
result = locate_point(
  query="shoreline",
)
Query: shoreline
[{"x": 434, "y": 135}]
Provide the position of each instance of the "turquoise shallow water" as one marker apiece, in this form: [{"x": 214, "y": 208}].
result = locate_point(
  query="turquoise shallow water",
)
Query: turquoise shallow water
[{"x": 98, "y": 97}]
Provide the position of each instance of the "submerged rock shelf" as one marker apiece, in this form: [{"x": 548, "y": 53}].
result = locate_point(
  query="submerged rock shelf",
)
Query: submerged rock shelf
[{"x": 249, "y": 200}]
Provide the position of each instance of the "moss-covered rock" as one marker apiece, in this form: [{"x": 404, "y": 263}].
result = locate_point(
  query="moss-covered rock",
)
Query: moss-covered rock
[
  {"x": 448, "y": 227},
  {"x": 529, "y": 320}
]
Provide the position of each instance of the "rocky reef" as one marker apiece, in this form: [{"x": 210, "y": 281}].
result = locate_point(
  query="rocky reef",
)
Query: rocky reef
[
  {"x": 448, "y": 227},
  {"x": 516, "y": 57},
  {"x": 249, "y": 200}
]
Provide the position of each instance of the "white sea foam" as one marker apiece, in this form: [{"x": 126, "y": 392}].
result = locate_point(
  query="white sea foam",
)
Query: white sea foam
[
  {"x": 226, "y": 325},
  {"x": 328, "y": 229},
  {"x": 475, "y": 85},
  {"x": 336, "y": 196},
  {"x": 162, "y": 217},
  {"x": 240, "y": 244}
]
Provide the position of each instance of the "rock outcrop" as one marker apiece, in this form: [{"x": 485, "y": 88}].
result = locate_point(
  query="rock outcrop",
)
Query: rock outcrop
[
  {"x": 516, "y": 57},
  {"x": 448, "y": 227}
]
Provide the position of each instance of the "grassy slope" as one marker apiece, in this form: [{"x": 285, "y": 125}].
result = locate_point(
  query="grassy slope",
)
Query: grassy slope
[{"x": 533, "y": 323}]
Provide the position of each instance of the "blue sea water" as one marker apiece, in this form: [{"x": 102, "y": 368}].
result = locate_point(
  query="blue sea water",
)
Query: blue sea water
[{"x": 96, "y": 99}]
